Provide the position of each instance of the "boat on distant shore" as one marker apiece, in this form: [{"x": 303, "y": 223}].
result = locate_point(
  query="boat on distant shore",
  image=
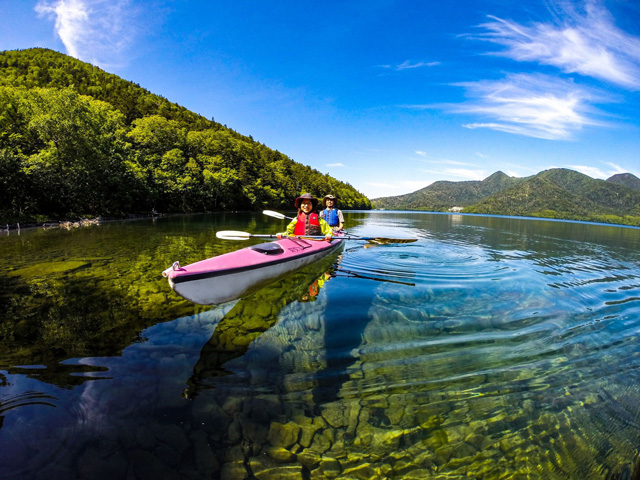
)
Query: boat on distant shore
[{"x": 233, "y": 275}]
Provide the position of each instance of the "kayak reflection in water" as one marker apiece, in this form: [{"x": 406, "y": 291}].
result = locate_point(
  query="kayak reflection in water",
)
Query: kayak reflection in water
[
  {"x": 315, "y": 287},
  {"x": 254, "y": 315},
  {"x": 250, "y": 318}
]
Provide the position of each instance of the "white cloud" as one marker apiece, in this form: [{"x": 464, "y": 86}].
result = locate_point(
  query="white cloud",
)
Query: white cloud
[
  {"x": 537, "y": 106},
  {"x": 408, "y": 65},
  {"x": 596, "y": 172},
  {"x": 440, "y": 161},
  {"x": 335, "y": 164},
  {"x": 586, "y": 43},
  {"x": 513, "y": 173},
  {"x": 95, "y": 31},
  {"x": 616, "y": 168},
  {"x": 445, "y": 161},
  {"x": 593, "y": 172}
]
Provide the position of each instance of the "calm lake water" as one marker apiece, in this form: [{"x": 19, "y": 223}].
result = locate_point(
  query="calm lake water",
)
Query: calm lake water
[{"x": 490, "y": 348}]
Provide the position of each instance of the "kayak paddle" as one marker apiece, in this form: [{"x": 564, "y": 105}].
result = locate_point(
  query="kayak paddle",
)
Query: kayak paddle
[
  {"x": 271, "y": 213},
  {"x": 235, "y": 235}
]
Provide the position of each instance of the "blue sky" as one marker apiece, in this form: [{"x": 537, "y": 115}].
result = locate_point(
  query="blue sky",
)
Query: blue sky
[{"x": 387, "y": 95}]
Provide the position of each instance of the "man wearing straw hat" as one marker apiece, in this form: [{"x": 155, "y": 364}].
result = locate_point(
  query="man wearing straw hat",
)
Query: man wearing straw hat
[{"x": 331, "y": 214}]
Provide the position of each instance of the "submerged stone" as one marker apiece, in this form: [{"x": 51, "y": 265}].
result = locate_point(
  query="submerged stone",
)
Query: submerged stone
[{"x": 283, "y": 435}]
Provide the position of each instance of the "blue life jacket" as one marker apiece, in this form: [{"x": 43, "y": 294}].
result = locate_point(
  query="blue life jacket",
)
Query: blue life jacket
[{"x": 331, "y": 216}]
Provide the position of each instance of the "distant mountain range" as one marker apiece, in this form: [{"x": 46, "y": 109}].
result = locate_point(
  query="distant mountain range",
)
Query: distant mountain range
[{"x": 554, "y": 193}]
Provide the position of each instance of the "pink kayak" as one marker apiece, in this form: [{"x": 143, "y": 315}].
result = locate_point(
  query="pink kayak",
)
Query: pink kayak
[{"x": 236, "y": 274}]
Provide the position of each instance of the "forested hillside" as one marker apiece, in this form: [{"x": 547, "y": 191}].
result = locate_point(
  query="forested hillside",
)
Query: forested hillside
[
  {"x": 626, "y": 180},
  {"x": 555, "y": 193},
  {"x": 77, "y": 141},
  {"x": 442, "y": 195}
]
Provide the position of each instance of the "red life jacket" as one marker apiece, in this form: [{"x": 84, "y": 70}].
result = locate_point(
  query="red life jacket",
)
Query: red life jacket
[{"x": 308, "y": 224}]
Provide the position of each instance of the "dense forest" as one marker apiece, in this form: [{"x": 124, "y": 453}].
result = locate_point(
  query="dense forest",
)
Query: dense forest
[
  {"x": 76, "y": 141},
  {"x": 555, "y": 193}
]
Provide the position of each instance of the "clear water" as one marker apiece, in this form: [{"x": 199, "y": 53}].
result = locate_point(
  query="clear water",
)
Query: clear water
[{"x": 490, "y": 348}]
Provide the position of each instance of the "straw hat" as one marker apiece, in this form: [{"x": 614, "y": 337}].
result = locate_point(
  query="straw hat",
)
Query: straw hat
[
  {"x": 306, "y": 196},
  {"x": 328, "y": 197}
]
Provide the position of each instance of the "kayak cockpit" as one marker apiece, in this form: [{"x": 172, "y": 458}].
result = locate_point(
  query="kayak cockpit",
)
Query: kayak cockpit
[{"x": 269, "y": 248}]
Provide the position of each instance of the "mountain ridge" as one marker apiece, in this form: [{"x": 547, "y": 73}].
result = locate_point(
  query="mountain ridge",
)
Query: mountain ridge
[{"x": 553, "y": 193}]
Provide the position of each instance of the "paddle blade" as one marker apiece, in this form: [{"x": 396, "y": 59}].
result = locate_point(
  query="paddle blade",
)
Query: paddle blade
[
  {"x": 233, "y": 235},
  {"x": 271, "y": 213},
  {"x": 384, "y": 241}
]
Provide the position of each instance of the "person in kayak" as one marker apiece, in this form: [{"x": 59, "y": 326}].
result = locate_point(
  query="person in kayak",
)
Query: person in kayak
[
  {"x": 331, "y": 214},
  {"x": 308, "y": 222}
]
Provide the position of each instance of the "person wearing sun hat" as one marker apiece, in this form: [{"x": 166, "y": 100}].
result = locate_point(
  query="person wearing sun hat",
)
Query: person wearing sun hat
[
  {"x": 331, "y": 214},
  {"x": 308, "y": 222}
]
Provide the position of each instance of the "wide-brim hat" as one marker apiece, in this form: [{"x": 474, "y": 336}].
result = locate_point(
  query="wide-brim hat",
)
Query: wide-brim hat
[
  {"x": 328, "y": 197},
  {"x": 306, "y": 196}
]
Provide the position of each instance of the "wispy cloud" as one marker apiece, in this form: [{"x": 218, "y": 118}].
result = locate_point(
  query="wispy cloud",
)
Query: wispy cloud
[
  {"x": 96, "y": 31},
  {"x": 537, "y": 106},
  {"x": 579, "y": 41},
  {"x": 335, "y": 164},
  {"x": 596, "y": 172},
  {"x": 446, "y": 161},
  {"x": 408, "y": 65},
  {"x": 587, "y": 43}
]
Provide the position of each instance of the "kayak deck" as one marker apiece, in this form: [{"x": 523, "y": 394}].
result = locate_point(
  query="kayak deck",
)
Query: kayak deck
[{"x": 233, "y": 275}]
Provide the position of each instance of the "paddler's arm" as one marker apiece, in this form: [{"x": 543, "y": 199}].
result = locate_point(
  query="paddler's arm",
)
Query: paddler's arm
[
  {"x": 290, "y": 229},
  {"x": 340, "y": 220}
]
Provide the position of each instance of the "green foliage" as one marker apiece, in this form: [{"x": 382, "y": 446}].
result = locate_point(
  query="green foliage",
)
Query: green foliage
[{"x": 77, "y": 141}]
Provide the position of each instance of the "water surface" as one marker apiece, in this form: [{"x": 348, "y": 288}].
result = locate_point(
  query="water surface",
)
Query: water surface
[{"x": 491, "y": 348}]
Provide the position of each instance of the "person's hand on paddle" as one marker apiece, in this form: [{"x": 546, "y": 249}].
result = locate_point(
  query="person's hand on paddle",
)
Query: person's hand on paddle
[
  {"x": 280, "y": 236},
  {"x": 328, "y": 237}
]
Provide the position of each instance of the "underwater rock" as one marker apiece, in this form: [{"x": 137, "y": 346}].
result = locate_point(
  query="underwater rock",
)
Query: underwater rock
[
  {"x": 279, "y": 454},
  {"x": 307, "y": 431},
  {"x": 257, "y": 431},
  {"x": 235, "y": 470},
  {"x": 147, "y": 465},
  {"x": 205, "y": 460},
  {"x": 287, "y": 472},
  {"x": 173, "y": 436},
  {"x": 477, "y": 441},
  {"x": 322, "y": 441},
  {"x": 329, "y": 467},
  {"x": 334, "y": 414},
  {"x": 232, "y": 405},
  {"x": 309, "y": 458},
  {"x": 362, "y": 472},
  {"x": 234, "y": 434},
  {"x": 283, "y": 435}
]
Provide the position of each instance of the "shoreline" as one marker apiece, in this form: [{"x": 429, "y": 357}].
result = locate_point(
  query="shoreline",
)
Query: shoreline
[{"x": 69, "y": 224}]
